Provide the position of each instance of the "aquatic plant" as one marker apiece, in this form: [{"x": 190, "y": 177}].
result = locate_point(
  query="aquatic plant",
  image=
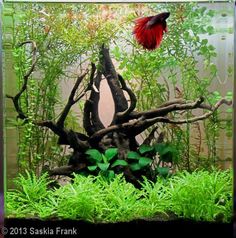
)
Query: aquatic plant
[
  {"x": 104, "y": 163},
  {"x": 176, "y": 69},
  {"x": 125, "y": 126},
  {"x": 57, "y": 44},
  {"x": 201, "y": 196},
  {"x": 139, "y": 162},
  {"x": 29, "y": 196},
  {"x": 157, "y": 157}
]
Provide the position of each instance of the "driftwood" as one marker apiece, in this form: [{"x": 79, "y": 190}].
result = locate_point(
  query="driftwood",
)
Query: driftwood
[{"x": 127, "y": 123}]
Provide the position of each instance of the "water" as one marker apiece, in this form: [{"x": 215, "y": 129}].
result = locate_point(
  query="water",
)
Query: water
[{"x": 222, "y": 40}]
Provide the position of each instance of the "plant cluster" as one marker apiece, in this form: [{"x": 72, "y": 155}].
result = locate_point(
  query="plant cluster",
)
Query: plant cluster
[
  {"x": 66, "y": 36},
  {"x": 175, "y": 70},
  {"x": 113, "y": 148},
  {"x": 148, "y": 160},
  {"x": 201, "y": 196},
  {"x": 73, "y": 36},
  {"x": 55, "y": 30}
]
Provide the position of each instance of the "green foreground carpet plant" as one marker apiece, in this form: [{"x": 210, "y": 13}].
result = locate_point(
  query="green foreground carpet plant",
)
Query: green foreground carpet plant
[{"x": 200, "y": 196}]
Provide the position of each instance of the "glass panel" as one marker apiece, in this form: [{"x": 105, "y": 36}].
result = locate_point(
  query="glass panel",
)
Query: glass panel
[{"x": 109, "y": 89}]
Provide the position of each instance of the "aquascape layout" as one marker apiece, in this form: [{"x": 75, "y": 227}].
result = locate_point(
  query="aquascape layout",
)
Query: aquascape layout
[{"x": 118, "y": 112}]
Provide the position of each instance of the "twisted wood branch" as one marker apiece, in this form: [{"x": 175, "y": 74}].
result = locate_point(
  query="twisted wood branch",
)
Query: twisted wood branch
[
  {"x": 136, "y": 127},
  {"x": 133, "y": 100}
]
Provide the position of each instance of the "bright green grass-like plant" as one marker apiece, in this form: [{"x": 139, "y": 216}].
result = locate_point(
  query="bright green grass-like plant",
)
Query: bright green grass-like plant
[
  {"x": 122, "y": 200},
  {"x": 201, "y": 196},
  {"x": 81, "y": 200},
  {"x": 30, "y": 196}
]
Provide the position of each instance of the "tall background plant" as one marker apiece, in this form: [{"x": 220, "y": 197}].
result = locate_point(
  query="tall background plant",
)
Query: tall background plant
[
  {"x": 182, "y": 68},
  {"x": 69, "y": 36}
]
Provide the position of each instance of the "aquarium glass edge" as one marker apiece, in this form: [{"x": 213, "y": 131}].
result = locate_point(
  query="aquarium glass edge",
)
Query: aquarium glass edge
[
  {"x": 113, "y": 1},
  {"x": 2, "y": 170},
  {"x": 234, "y": 111}
]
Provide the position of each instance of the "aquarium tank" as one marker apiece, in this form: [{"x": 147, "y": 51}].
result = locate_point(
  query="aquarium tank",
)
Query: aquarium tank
[{"x": 118, "y": 112}]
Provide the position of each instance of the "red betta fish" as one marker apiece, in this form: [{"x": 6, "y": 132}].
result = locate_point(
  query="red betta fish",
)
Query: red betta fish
[{"x": 148, "y": 31}]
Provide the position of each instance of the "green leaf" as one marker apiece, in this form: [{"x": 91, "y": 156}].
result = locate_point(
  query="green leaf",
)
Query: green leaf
[
  {"x": 103, "y": 166},
  {"x": 229, "y": 96},
  {"x": 160, "y": 147},
  {"x": 211, "y": 47},
  {"x": 216, "y": 93},
  {"x": 165, "y": 148},
  {"x": 104, "y": 159},
  {"x": 133, "y": 155},
  {"x": 167, "y": 152},
  {"x": 210, "y": 30},
  {"x": 144, "y": 161},
  {"x": 111, "y": 153},
  {"x": 168, "y": 149},
  {"x": 204, "y": 49},
  {"x": 204, "y": 41},
  {"x": 145, "y": 148},
  {"x": 163, "y": 171},
  {"x": 230, "y": 70},
  {"x": 94, "y": 154},
  {"x": 135, "y": 166},
  {"x": 111, "y": 174},
  {"x": 119, "y": 162},
  {"x": 229, "y": 110},
  {"x": 116, "y": 52},
  {"x": 211, "y": 13},
  {"x": 92, "y": 167}
]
